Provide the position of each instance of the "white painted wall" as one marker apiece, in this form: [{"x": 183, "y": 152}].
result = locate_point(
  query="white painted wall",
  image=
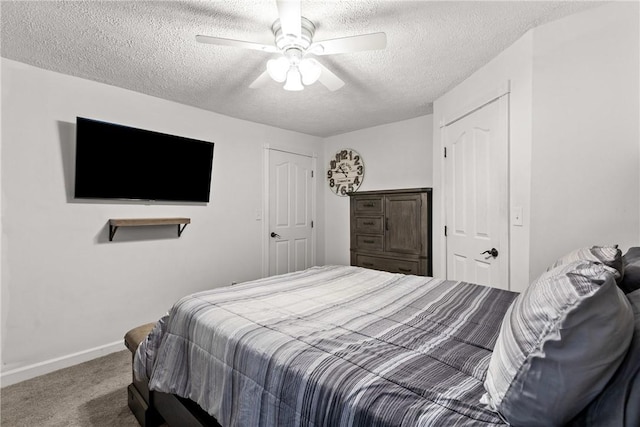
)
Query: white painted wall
[
  {"x": 396, "y": 155},
  {"x": 574, "y": 136},
  {"x": 585, "y": 167},
  {"x": 512, "y": 68},
  {"x": 65, "y": 288}
]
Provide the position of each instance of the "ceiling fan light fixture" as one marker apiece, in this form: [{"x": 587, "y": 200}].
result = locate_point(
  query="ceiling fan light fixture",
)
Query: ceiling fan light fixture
[
  {"x": 293, "y": 35},
  {"x": 278, "y": 68},
  {"x": 294, "y": 81},
  {"x": 310, "y": 70}
]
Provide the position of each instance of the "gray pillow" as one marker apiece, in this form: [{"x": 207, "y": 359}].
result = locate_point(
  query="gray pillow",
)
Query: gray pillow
[
  {"x": 631, "y": 262},
  {"x": 559, "y": 344},
  {"x": 619, "y": 403},
  {"x": 610, "y": 256}
]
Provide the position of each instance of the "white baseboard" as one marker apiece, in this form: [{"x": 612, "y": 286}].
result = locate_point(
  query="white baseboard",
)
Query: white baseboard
[{"x": 31, "y": 371}]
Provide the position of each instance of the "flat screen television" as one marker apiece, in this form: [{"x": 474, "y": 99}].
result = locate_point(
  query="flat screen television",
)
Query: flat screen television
[{"x": 120, "y": 162}]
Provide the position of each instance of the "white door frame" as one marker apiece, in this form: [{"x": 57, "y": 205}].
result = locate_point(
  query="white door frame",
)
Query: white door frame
[
  {"x": 450, "y": 115},
  {"x": 267, "y": 148}
]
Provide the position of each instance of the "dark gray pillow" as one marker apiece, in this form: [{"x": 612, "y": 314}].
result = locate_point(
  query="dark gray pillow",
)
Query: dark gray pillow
[
  {"x": 631, "y": 279},
  {"x": 560, "y": 343},
  {"x": 619, "y": 403}
]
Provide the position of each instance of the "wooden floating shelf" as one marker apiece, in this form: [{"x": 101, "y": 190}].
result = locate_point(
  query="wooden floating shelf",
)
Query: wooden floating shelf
[{"x": 114, "y": 223}]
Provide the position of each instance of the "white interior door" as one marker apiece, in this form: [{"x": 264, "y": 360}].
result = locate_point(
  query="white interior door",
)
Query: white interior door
[
  {"x": 290, "y": 212},
  {"x": 476, "y": 191}
]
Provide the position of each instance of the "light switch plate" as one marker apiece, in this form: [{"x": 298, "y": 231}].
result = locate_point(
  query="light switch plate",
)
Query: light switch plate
[{"x": 516, "y": 216}]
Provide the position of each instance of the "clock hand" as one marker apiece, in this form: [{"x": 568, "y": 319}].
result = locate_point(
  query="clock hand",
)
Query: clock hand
[{"x": 342, "y": 170}]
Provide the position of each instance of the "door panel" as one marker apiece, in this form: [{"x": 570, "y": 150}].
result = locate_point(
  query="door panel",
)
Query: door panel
[
  {"x": 290, "y": 212},
  {"x": 282, "y": 256},
  {"x": 302, "y": 188},
  {"x": 482, "y": 273},
  {"x": 402, "y": 224},
  {"x": 482, "y": 181},
  {"x": 301, "y": 258},
  {"x": 459, "y": 180},
  {"x": 476, "y": 176},
  {"x": 459, "y": 264},
  {"x": 282, "y": 199}
]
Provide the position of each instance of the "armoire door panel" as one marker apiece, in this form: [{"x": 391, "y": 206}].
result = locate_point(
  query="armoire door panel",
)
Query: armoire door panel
[{"x": 402, "y": 224}]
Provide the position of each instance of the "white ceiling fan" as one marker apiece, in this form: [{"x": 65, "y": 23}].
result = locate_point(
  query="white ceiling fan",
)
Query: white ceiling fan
[{"x": 293, "y": 34}]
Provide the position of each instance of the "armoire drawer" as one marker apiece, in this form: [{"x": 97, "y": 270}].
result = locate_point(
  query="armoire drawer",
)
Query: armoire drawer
[
  {"x": 371, "y": 243},
  {"x": 387, "y": 264},
  {"x": 369, "y": 224},
  {"x": 369, "y": 205}
]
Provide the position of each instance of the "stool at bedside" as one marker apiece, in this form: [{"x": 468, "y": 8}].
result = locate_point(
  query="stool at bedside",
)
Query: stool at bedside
[{"x": 139, "y": 398}]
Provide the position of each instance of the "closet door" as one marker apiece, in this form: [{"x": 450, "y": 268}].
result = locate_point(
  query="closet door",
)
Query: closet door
[
  {"x": 290, "y": 212},
  {"x": 403, "y": 224},
  {"x": 476, "y": 176}
]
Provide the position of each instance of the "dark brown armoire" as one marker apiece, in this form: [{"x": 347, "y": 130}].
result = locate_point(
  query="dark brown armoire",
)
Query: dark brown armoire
[{"x": 391, "y": 230}]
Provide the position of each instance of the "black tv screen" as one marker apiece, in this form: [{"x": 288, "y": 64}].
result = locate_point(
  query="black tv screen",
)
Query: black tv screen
[{"x": 121, "y": 162}]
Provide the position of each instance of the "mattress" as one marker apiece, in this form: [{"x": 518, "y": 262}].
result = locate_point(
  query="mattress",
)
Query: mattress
[{"x": 331, "y": 346}]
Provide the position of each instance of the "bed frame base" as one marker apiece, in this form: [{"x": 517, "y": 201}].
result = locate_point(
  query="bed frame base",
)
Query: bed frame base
[
  {"x": 177, "y": 411},
  {"x": 153, "y": 408},
  {"x": 146, "y": 416}
]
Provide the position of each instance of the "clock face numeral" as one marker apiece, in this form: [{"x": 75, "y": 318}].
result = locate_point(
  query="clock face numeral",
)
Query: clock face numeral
[{"x": 346, "y": 172}]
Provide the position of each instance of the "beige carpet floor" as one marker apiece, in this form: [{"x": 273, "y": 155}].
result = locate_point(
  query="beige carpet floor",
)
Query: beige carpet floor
[{"x": 90, "y": 394}]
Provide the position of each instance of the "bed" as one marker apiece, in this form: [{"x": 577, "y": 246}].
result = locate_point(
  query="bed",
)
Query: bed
[{"x": 348, "y": 346}]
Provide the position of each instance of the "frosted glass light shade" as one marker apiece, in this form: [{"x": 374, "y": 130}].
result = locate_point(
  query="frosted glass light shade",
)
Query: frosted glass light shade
[
  {"x": 310, "y": 70},
  {"x": 293, "y": 79},
  {"x": 277, "y": 69}
]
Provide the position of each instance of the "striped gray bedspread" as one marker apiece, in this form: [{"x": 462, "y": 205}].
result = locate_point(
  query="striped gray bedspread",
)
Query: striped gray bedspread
[{"x": 331, "y": 346}]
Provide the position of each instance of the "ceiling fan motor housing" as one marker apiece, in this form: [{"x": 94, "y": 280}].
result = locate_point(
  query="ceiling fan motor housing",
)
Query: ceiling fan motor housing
[{"x": 285, "y": 42}]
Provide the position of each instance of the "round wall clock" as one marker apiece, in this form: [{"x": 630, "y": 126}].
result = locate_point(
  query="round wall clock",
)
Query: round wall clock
[{"x": 346, "y": 172}]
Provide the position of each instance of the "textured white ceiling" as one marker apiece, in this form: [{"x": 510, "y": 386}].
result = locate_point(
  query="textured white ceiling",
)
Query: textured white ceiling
[{"x": 150, "y": 47}]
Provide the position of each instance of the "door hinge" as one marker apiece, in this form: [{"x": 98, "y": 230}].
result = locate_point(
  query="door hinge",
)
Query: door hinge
[
  {"x": 311, "y": 224},
  {"x": 311, "y": 174},
  {"x": 445, "y": 152},
  {"x": 445, "y": 231}
]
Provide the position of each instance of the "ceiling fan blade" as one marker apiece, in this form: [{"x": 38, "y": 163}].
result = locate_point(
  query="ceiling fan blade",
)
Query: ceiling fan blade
[
  {"x": 289, "y": 13},
  {"x": 360, "y": 43},
  {"x": 330, "y": 80},
  {"x": 261, "y": 81},
  {"x": 236, "y": 43}
]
